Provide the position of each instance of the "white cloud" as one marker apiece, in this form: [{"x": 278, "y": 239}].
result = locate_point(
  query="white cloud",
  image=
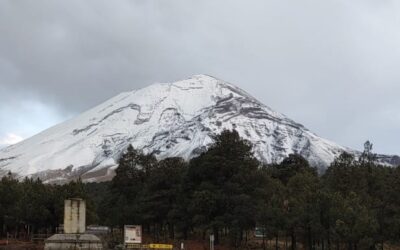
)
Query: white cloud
[{"x": 10, "y": 139}]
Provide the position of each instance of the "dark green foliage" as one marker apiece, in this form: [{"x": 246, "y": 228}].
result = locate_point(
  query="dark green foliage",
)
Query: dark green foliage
[
  {"x": 355, "y": 204},
  {"x": 32, "y": 207},
  {"x": 222, "y": 186},
  {"x": 290, "y": 166}
]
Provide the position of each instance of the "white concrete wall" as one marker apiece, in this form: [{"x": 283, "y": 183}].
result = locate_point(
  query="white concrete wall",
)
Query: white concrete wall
[{"x": 74, "y": 216}]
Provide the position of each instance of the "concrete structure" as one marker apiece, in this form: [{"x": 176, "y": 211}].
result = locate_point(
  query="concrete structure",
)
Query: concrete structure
[
  {"x": 73, "y": 242},
  {"x": 74, "y": 237},
  {"x": 74, "y": 216}
]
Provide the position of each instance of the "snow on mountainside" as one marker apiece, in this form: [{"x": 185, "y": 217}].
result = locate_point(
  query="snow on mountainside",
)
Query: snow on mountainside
[{"x": 167, "y": 119}]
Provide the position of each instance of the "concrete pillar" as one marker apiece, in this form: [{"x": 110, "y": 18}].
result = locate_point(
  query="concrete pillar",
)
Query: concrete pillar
[{"x": 74, "y": 216}]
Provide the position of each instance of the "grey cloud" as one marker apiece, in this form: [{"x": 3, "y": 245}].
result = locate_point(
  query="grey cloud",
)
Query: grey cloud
[{"x": 331, "y": 65}]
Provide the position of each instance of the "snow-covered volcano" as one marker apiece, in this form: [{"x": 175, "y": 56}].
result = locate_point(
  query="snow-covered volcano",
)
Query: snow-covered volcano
[{"x": 167, "y": 119}]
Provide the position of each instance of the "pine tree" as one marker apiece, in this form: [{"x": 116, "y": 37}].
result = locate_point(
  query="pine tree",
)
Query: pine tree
[{"x": 222, "y": 184}]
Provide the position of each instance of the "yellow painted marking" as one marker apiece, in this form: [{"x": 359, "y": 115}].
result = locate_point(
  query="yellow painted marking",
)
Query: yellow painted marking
[{"x": 160, "y": 246}]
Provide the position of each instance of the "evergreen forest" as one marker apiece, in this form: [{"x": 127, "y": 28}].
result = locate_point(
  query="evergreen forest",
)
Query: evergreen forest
[{"x": 225, "y": 191}]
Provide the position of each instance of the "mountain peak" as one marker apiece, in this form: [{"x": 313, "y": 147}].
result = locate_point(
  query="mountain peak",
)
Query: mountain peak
[
  {"x": 177, "y": 119},
  {"x": 203, "y": 76}
]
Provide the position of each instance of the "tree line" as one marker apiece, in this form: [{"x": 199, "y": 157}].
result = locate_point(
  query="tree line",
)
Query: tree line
[
  {"x": 30, "y": 206},
  {"x": 227, "y": 192}
]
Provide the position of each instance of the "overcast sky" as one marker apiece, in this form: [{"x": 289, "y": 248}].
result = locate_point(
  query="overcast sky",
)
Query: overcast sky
[{"x": 332, "y": 65}]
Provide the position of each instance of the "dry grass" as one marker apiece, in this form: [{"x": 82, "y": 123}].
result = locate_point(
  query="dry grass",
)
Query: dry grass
[{"x": 19, "y": 245}]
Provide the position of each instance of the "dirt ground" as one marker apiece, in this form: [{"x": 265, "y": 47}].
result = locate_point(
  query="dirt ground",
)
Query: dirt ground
[
  {"x": 196, "y": 245},
  {"x": 19, "y": 245},
  {"x": 189, "y": 245}
]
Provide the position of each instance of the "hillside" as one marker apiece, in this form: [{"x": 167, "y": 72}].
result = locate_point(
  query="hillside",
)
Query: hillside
[{"x": 166, "y": 119}]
